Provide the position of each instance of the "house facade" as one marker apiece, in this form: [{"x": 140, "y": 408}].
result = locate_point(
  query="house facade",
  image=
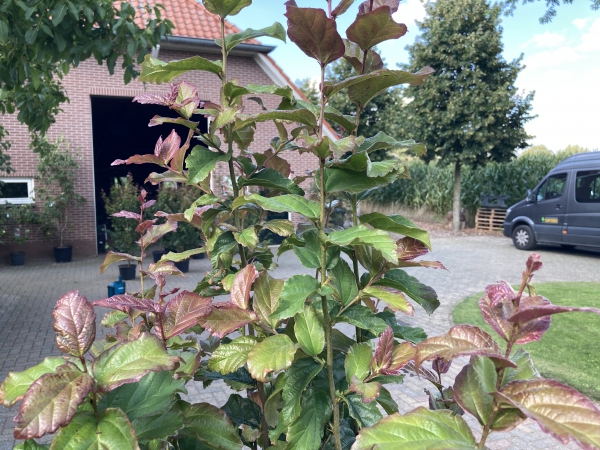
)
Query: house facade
[{"x": 101, "y": 124}]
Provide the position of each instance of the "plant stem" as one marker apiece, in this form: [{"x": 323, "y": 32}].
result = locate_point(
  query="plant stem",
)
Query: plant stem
[{"x": 327, "y": 325}]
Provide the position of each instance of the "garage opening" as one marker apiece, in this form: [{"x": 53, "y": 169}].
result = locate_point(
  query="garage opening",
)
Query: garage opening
[{"x": 120, "y": 130}]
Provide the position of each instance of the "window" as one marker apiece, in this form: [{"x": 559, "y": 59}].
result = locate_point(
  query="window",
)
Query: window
[
  {"x": 587, "y": 187},
  {"x": 553, "y": 187},
  {"x": 16, "y": 190}
]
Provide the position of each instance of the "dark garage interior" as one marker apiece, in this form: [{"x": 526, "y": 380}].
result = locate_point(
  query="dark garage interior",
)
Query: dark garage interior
[{"x": 120, "y": 130}]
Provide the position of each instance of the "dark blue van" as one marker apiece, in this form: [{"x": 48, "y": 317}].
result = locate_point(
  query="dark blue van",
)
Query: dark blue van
[{"x": 563, "y": 209}]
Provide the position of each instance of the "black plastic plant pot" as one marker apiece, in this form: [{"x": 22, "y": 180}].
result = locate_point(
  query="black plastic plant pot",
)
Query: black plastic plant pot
[
  {"x": 127, "y": 271},
  {"x": 184, "y": 265},
  {"x": 17, "y": 258},
  {"x": 157, "y": 254},
  {"x": 63, "y": 254},
  {"x": 198, "y": 256}
]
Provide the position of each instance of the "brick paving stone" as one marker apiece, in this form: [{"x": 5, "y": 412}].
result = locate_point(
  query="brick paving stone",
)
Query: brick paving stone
[{"x": 28, "y": 295}]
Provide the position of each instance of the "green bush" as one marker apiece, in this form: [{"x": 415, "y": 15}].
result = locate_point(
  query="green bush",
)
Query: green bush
[{"x": 431, "y": 185}]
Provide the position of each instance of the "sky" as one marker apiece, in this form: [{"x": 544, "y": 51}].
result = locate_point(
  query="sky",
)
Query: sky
[{"x": 562, "y": 61}]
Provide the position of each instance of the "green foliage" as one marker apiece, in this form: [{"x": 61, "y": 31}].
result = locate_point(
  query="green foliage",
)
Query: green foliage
[
  {"x": 173, "y": 198},
  {"x": 123, "y": 196},
  {"x": 430, "y": 185},
  {"x": 308, "y": 385},
  {"x": 57, "y": 175},
  {"x": 20, "y": 216}
]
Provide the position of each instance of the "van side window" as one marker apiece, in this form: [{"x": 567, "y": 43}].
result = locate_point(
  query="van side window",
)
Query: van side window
[
  {"x": 587, "y": 187},
  {"x": 553, "y": 187}
]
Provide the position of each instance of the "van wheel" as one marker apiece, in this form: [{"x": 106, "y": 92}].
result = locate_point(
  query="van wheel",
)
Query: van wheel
[{"x": 523, "y": 237}]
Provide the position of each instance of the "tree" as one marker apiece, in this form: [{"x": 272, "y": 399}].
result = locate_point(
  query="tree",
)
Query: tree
[
  {"x": 470, "y": 112},
  {"x": 40, "y": 40}
]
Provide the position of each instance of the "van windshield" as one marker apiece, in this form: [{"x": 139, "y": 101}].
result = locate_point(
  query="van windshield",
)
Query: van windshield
[{"x": 553, "y": 187}]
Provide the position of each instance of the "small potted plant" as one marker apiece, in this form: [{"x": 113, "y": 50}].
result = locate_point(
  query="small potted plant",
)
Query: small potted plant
[
  {"x": 123, "y": 196},
  {"x": 21, "y": 216},
  {"x": 173, "y": 198},
  {"x": 56, "y": 180}
]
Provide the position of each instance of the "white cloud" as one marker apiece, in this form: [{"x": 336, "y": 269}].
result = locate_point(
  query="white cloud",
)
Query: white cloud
[
  {"x": 410, "y": 11},
  {"x": 546, "y": 39},
  {"x": 590, "y": 41},
  {"x": 580, "y": 23},
  {"x": 551, "y": 58}
]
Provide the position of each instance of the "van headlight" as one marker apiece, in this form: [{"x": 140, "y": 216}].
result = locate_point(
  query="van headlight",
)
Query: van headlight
[{"x": 508, "y": 211}]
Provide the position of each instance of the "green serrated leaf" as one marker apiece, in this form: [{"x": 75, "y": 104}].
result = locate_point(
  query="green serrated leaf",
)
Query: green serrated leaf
[
  {"x": 362, "y": 317},
  {"x": 396, "y": 224},
  {"x": 247, "y": 238},
  {"x": 152, "y": 395},
  {"x": 472, "y": 387},
  {"x": 130, "y": 361},
  {"x": 395, "y": 300},
  {"x": 273, "y": 354},
  {"x": 227, "y": 358},
  {"x": 160, "y": 426},
  {"x": 358, "y": 361},
  {"x": 310, "y": 254},
  {"x": 267, "y": 292},
  {"x": 343, "y": 282},
  {"x": 211, "y": 426},
  {"x": 418, "y": 429},
  {"x": 156, "y": 71},
  {"x": 361, "y": 235},
  {"x": 281, "y": 227},
  {"x": 242, "y": 411},
  {"x": 303, "y": 116},
  {"x": 15, "y": 385},
  {"x": 201, "y": 161},
  {"x": 282, "y": 203},
  {"x": 366, "y": 414},
  {"x": 224, "y": 8},
  {"x": 271, "y": 179},
  {"x": 309, "y": 331},
  {"x": 293, "y": 295},
  {"x": 419, "y": 292},
  {"x": 111, "y": 430},
  {"x": 296, "y": 379},
  {"x": 307, "y": 431},
  {"x": 275, "y": 31},
  {"x": 382, "y": 141}
]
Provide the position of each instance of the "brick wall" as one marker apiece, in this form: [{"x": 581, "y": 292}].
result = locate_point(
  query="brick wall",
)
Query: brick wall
[{"x": 75, "y": 124}]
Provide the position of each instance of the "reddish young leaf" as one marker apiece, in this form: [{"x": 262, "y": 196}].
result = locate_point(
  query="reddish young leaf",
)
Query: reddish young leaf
[
  {"x": 242, "y": 284},
  {"x": 74, "y": 323},
  {"x": 426, "y": 264},
  {"x": 534, "y": 329},
  {"x": 368, "y": 391},
  {"x": 366, "y": 7},
  {"x": 528, "y": 312},
  {"x": 52, "y": 401},
  {"x": 158, "y": 99},
  {"x": 341, "y": 8},
  {"x": 275, "y": 162},
  {"x": 374, "y": 27},
  {"x": 383, "y": 352},
  {"x": 183, "y": 312},
  {"x": 225, "y": 318},
  {"x": 314, "y": 33},
  {"x": 533, "y": 264},
  {"x": 145, "y": 225},
  {"x": 462, "y": 340},
  {"x": 126, "y": 303},
  {"x": 162, "y": 268},
  {"x": 558, "y": 409},
  {"x": 410, "y": 248},
  {"x": 401, "y": 355},
  {"x": 440, "y": 365},
  {"x": 355, "y": 56},
  {"x": 166, "y": 149},
  {"x": 127, "y": 215},
  {"x": 500, "y": 291},
  {"x": 113, "y": 257},
  {"x": 140, "y": 159},
  {"x": 155, "y": 232}
]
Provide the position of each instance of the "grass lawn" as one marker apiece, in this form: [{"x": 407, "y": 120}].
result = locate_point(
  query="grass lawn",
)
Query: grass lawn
[{"x": 570, "y": 349}]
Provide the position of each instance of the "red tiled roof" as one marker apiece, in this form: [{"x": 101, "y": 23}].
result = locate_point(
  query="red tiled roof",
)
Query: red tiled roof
[{"x": 190, "y": 17}]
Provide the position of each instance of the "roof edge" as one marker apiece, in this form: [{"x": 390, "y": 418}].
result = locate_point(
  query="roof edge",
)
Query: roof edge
[{"x": 209, "y": 46}]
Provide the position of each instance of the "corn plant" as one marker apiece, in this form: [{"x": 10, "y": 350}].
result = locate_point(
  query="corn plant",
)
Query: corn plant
[{"x": 306, "y": 384}]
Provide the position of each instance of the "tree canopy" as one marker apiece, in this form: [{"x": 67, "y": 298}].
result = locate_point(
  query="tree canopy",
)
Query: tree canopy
[
  {"x": 470, "y": 111},
  {"x": 41, "y": 40},
  {"x": 551, "y": 6}
]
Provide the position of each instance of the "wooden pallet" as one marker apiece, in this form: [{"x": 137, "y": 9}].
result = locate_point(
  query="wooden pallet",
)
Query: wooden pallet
[{"x": 490, "y": 218}]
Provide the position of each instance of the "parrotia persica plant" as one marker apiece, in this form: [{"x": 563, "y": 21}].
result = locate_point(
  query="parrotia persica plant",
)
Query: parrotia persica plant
[{"x": 298, "y": 381}]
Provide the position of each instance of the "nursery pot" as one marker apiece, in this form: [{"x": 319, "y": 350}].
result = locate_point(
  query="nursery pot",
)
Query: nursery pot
[
  {"x": 157, "y": 254},
  {"x": 184, "y": 265},
  {"x": 63, "y": 254},
  {"x": 17, "y": 258},
  {"x": 198, "y": 256},
  {"x": 127, "y": 271}
]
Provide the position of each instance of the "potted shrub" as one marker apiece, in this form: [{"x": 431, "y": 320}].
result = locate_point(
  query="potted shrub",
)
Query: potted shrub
[
  {"x": 123, "y": 196},
  {"x": 174, "y": 198},
  {"x": 56, "y": 180},
  {"x": 21, "y": 216}
]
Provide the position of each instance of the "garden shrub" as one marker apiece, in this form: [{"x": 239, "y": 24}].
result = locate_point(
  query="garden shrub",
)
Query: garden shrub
[{"x": 305, "y": 384}]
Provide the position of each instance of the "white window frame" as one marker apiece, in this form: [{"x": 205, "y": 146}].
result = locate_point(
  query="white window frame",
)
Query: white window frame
[{"x": 20, "y": 200}]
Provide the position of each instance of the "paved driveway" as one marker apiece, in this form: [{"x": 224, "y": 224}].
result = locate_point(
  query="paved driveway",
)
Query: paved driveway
[{"x": 28, "y": 295}]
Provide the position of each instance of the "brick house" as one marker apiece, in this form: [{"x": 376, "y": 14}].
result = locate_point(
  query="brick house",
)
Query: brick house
[{"x": 101, "y": 123}]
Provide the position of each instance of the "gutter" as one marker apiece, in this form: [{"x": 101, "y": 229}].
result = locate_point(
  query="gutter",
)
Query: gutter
[{"x": 209, "y": 46}]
